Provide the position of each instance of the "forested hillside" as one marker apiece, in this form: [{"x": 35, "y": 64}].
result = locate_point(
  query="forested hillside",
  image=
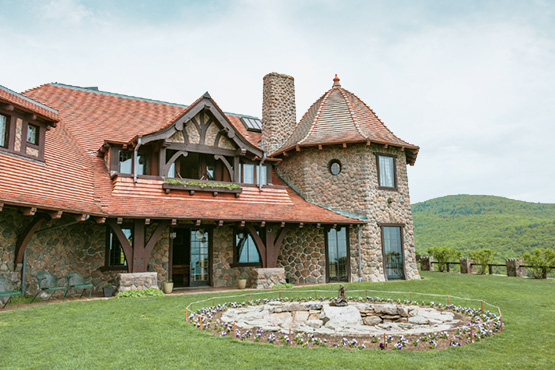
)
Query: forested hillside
[{"x": 467, "y": 222}]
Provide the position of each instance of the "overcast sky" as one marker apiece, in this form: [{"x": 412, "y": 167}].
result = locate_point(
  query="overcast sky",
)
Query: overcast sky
[{"x": 471, "y": 82}]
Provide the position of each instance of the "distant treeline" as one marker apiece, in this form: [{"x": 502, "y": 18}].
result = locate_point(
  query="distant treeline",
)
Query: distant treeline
[{"x": 469, "y": 222}]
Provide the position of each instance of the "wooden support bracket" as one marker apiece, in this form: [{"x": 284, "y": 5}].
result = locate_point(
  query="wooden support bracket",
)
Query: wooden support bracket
[
  {"x": 301, "y": 225},
  {"x": 147, "y": 221},
  {"x": 174, "y": 222},
  {"x": 81, "y": 217},
  {"x": 100, "y": 220},
  {"x": 197, "y": 223},
  {"x": 55, "y": 214},
  {"x": 120, "y": 220},
  {"x": 242, "y": 223},
  {"x": 24, "y": 238},
  {"x": 221, "y": 223},
  {"x": 30, "y": 211},
  {"x": 283, "y": 224},
  {"x": 263, "y": 223}
]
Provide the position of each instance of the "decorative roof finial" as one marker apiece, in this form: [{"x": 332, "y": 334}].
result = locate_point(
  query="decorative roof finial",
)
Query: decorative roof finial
[{"x": 336, "y": 81}]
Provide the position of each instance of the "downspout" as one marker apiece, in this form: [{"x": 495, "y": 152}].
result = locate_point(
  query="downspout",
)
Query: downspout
[
  {"x": 260, "y": 170},
  {"x": 139, "y": 140},
  {"x": 359, "y": 258}
]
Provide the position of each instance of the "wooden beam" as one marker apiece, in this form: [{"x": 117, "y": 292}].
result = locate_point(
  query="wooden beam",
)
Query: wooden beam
[
  {"x": 81, "y": 217},
  {"x": 275, "y": 247},
  {"x": 147, "y": 221},
  {"x": 100, "y": 220},
  {"x": 283, "y": 224},
  {"x": 191, "y": 192},
  {"x": 215, "y": 193},
  {"x": 221, "y": 223},
  {"x": 385, "y": 146},
  {"x": 1, "y": 206},
  {"x": 152, "y": 242},
  {"x": 301, "y": 225},
  {"x": 30, "y": 211},
  {"x": 335, "y": 226},
  {"x": 120, "y": 220},
  {"x": 402, "y": 148},
  {"x": 285, "y": 154},
  {"x": 263, "y": 223},
  {"x": 344, "y": 145},
  {"x": 55, "y": 214},
  {"x": 174, "y": 222},
  {"x": 318, "y": 225},
  {"x": 125, "y": 245},
  {"x": 297, "y": 148},
  {"x": 138, "y": 250},
  {"x": 33, "y": 117},
  {"x": 197, "y": 223},
  {"x": 319, "y": 146},
  {"x": 24, "y": 238},
  {"x": 260, "y": 246},
  {"x": 242, "y": 223}
]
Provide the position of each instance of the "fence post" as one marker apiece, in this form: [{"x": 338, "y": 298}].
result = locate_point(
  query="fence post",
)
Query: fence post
[
  {"x": 466, "y": 266},
  {"x": 426, "y": 263},
  {"x": 490, "y": 269},
  {"x": 515, "y": 267}
]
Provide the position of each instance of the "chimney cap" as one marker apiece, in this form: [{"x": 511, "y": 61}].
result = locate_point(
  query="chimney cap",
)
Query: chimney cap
[{"x": 336, "y": 81}]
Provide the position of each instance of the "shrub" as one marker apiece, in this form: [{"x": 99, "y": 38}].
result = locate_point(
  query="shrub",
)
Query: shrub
[
  {"x": 482, "y": 257},
  {"x": 443, "y": 255},
  {"x": 283, "y": 286},
  {"x": 541, "y": 261},
  {"x": 150, "y": 292}
]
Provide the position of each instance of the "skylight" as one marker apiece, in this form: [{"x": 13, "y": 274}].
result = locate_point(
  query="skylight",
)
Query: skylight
[{"x": 252, "y": 124}]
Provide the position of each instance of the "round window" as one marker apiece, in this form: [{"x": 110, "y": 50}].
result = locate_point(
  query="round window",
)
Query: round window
[{"x": 335, "y": 167}]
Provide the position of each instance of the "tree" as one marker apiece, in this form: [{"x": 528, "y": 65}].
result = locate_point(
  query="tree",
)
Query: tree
[
  {"x": 443, "y": 255},
  {"x": 541, "y": 261},
  {"x": 483, "y": 257}
]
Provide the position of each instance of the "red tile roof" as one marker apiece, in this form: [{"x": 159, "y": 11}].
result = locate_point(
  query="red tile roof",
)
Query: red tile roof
[
  {"x": 27, "y": 104},
  {"x": 73, "y": 178},
  {"x": 339, "y": 116}
]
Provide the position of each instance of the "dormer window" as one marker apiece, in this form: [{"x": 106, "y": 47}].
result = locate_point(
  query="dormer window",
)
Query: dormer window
[
  {"x": 125, "y": 162},
  {"x": 32, "y": 134}
]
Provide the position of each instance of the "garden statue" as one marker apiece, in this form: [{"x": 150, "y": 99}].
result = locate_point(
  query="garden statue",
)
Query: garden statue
[{"x": 340, "y": 301}]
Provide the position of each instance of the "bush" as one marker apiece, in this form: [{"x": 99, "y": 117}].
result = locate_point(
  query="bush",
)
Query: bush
[
  {"x": 443, "y": 255},
  {"x": 150, "y": 292},
  {"x": 482, "y": 257},
  {"x": 283, "y": 286},
  {"x": 541, "y": 261}
]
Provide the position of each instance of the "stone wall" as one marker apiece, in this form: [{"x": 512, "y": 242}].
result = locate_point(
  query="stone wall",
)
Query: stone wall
[
  {"x": 137, "y": 281},
  {"x": 266, "y": 278},
  {"x": 63, "y": 245},
  {"x": 355, "y": 192},
  {"x": 279, "y": 114},
  {"x": 302, "y": 255}
]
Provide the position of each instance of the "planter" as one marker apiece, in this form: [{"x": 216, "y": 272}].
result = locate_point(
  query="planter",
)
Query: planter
[
  {"x": 167, "y": 287},
  {"x": 108, "y": 291},
  {"x": 242, "y": 283},
  {"x": 215, "y": 190}
]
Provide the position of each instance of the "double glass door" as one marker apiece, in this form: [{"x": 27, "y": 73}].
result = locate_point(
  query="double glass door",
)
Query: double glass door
[{"x": 191, "y": 257}]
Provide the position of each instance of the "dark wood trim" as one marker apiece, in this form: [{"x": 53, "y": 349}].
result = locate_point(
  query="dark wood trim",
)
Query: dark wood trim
[
  {"x": 24, "y": 238},
  {"x": 394, "y": 156},
  {"x": 210, "y": 189},
  {"x": 401, "y": 227},
  {"x": 154, "y": 238},
  {"x": 41, "y": 124},
  {"x": 348, "y": 245},
  {"x": 210, "y": 230},
  {"x": 269, "y": 248},
  {"x": 260, "y": 246},
  {"x": 125, "y": 245}
]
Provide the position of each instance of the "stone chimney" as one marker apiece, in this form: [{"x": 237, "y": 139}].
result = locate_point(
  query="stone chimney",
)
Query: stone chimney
[{"x": 279, "y": 114}]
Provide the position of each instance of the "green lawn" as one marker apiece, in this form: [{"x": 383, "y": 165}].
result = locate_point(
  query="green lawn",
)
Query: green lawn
[{"x": 151, "y": 333}]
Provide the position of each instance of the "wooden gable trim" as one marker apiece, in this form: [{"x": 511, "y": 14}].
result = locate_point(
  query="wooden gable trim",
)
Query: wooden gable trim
[{"x": 204, "y": 104}]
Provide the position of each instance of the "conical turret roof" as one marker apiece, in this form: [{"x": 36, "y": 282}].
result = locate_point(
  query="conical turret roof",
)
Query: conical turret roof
[{"x": 338, "y": 117}]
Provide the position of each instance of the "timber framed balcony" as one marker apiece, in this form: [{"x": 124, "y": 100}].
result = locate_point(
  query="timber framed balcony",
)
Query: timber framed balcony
[{"x": 192, "y": 186}]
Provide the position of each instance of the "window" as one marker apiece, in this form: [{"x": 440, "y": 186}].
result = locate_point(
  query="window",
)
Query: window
[
  {"x": 199, "y": 166},
  {"x": 252, "y": 124},
  {"x": 32, "y": 134},
  {"x": 125, "y": 162},
  {"x": 386, "y": 171},
  {"x": 335, "y": 167},
  {"x": 142, "y": 163},
  {"x": 393, "y": 252},
  {"x": 4, "y": 131},
  {"x": 114, "y": 250},
  {"x": 337, "y": 254},
  {"x": 249, "y": 172},
  {"x": 245, "y": 248}
]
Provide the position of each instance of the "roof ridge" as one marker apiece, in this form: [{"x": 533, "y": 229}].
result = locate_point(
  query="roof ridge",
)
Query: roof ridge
[
  {"x": 317, "y": 116},
  {"x": 20, "y": 95},
  {"x": 351, "y": 112}
]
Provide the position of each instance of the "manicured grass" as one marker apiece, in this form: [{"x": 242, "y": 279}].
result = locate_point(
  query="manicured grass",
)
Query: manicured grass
[{"x": 151, "y": 333}]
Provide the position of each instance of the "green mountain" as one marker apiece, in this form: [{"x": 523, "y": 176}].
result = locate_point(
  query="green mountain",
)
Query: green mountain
[{"x": 467, "y": 222}]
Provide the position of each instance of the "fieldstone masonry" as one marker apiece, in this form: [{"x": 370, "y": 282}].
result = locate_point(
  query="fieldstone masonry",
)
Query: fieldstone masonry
[
  {"x": 467, "y": 266},
  {"x": 279, "y": 115},
  {"x": 266, "y": 278},
  {"x": 137, "y": 281},
  {"x": 355, "y": 192},
  {"x": 515, "y": 267}
]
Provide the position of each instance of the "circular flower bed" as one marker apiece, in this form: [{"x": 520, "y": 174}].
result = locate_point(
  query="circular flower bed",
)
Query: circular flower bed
[{"x": 365, "y": 323}]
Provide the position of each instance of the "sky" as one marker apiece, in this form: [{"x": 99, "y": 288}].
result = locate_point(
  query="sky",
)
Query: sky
[{"x": 471, "y": 82}]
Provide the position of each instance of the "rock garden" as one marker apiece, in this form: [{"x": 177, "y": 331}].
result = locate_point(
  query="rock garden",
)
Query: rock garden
[{"x": 358, "y": 324}]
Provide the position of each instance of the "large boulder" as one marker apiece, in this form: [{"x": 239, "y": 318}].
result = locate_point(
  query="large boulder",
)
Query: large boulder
[{"x": 343, "y": 316}]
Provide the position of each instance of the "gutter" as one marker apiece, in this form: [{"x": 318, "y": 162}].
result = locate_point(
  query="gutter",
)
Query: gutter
[
  {"x": 259, "y": 171},
  {"x": 139, "y": 141}
]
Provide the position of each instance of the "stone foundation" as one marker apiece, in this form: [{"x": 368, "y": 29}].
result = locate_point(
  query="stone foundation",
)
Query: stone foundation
[
  {"x": 137, "y": 281},
  {"x": 514, "y": 267},
  {"x": 266, "y": 278}
]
